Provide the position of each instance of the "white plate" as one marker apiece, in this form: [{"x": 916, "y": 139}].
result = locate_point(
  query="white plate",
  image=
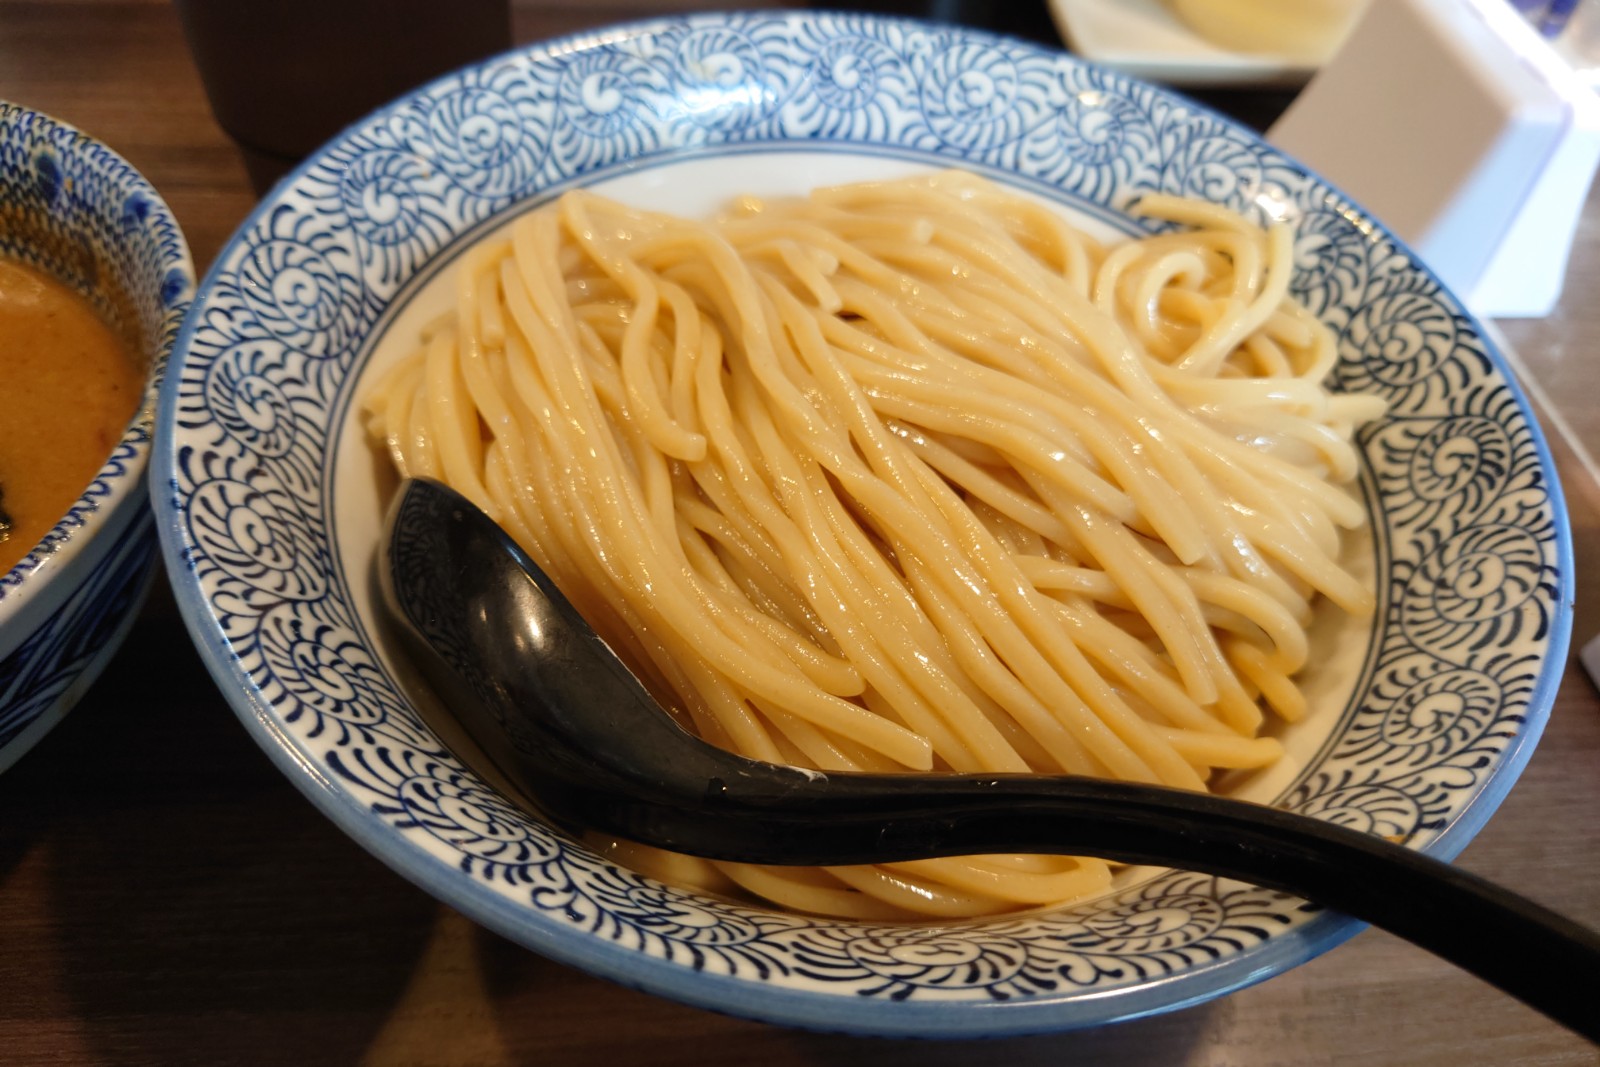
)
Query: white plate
[{"x": 1144, "y": 38}]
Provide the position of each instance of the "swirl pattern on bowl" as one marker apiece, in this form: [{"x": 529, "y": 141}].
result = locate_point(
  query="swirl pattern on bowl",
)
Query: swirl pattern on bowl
[{"x": 1455, "y": 686}]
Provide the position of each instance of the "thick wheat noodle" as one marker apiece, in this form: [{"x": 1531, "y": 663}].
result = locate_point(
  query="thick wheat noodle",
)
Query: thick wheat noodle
[
  {"x": 1000, "y": 627},
  {"x": 998, "y": 882},
  {"x": 888, "y": 659},
  {"x": 1177, "y": 468},
  {"x": 1137, "y": 669},
  {"x": 1054, "y": 728},
  {"x": 909, "y": 474},
  {"x": 1004, "y": 403},
  {"x": 793, "y": 890},
  {"x": 1045, "y": 659},
  {"x": 750, "y": 672}
]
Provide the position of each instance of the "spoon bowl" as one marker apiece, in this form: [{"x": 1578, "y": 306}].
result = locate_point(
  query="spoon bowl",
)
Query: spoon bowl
[{"x": 557, "y": 712}]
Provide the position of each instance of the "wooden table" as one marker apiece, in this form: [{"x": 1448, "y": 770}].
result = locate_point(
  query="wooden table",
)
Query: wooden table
[{"x": 168, "y": 897}]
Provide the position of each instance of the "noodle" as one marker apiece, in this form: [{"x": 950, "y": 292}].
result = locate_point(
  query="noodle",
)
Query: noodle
[{"x": 909, "y": 475}]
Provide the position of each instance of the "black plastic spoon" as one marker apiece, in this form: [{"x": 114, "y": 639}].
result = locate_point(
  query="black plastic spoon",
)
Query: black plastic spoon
[{"x": 556, "y": 711}]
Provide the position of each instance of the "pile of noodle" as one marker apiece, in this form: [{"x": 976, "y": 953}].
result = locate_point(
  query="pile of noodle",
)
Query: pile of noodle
[{"x": 909, "y": 475}]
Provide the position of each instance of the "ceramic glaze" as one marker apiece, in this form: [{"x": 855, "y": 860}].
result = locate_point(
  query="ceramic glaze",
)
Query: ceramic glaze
[
  {"x": 77, "y": 211},
  {"x": 269, "y": 515}
]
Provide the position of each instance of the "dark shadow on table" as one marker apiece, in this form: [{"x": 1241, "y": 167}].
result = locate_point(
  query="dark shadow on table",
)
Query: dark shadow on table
[{"x": 156, "y": 865}]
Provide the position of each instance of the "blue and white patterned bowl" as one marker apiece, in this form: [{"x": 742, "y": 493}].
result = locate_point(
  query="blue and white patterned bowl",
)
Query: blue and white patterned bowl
[
  {"x": 269, "y": 510},
  {"x": 76, "y": 209}
]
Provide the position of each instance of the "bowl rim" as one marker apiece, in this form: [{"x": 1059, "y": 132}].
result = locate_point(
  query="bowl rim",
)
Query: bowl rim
[
  {"x": 123, "y": 475},
  {"x": 807, "y": 1008}
]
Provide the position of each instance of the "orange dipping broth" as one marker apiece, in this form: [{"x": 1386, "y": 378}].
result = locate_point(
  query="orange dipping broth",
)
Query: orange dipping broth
[{"x": 69, "y": 383}]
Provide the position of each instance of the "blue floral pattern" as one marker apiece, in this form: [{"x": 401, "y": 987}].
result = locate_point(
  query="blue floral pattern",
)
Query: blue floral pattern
[
  {"x": 78, "y": 211},
  {"x": 1469, "y": 530}
]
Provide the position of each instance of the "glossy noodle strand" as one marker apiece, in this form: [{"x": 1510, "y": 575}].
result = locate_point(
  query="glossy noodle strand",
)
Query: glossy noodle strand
[{"x": 910, "y": 475}]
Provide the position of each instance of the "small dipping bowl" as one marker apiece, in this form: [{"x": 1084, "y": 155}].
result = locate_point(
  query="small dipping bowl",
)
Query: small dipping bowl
[{"x": 74, "y": 209}]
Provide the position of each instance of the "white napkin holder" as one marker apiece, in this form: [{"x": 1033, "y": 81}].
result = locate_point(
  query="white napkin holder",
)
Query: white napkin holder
[{"x": 1461, "y": 128}]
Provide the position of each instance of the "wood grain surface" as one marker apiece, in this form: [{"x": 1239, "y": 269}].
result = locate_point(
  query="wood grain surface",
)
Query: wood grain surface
[{"x": 168, "y": 897}]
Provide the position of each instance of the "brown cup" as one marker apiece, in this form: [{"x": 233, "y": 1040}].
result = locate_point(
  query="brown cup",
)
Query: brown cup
[{"x": 283, "y": 76}]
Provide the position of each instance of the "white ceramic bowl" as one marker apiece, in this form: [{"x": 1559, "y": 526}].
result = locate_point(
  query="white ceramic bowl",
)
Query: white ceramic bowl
[
  {"x": 270, "y": 509},
  {"x": 73, "y": 207}
]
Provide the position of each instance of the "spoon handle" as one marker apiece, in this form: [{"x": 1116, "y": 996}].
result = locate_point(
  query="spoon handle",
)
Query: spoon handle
[
  {"x": 1536, "y": 955},
  {"x": 554, "y": 709}
]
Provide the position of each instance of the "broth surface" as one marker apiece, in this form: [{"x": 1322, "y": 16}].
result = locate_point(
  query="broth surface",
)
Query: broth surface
[{"x": 70, "y": 385}]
